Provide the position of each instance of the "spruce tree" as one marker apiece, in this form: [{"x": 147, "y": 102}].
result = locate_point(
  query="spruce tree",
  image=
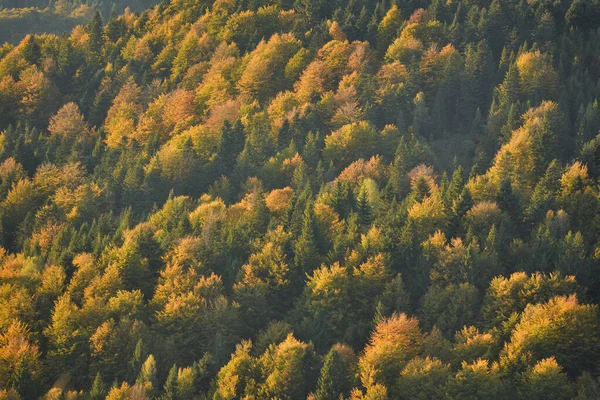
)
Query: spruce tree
[
  {"x": 363, "y": 209},
  {"x": 98, "y": 390},
  {"x": 334, "y": 380},
  {"x": 170, "y": 388},
  {"x": 96, "y": 31},
  {"x": 306, "y": 255}
]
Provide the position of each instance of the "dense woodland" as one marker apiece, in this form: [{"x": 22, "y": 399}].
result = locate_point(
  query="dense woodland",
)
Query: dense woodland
[
  {"x": 21, "y": 17},
  {"x": 315, "y": 199}
]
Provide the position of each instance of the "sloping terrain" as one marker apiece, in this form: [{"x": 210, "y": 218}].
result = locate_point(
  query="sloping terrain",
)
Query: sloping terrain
[{"x": 304, "y": 200}]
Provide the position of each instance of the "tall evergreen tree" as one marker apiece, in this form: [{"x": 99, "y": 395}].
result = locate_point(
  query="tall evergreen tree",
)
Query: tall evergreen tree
[{"x": 334, "y": 379}]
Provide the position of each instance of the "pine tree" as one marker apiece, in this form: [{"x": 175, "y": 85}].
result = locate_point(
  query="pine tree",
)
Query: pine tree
[
  {"x": 297, "y": 217},
  {"x": 231, "y": 144},
  {"x": 98, "y": 390},
  {"x": 284, "y": 137},
  {"x": 378, "y": 314},
  {"x": 96, "y": 32},
  {"x": 399, "y": 182},
  {"x": 31, "y": 51},
  {"x": 306, "y": 255},
  {"x": 23, "y": 383},
  {"x": 260, "y": 214},
  {"x": 334, "y": 380},
  {"x": 456, "y": 29},
  {"x": 508, "y": 200},
  {"x": 460, "y": 206},
  {"x": 437, "y": 10},
  {"x": 136, "y": 361},
  {"x": 509, "y": 90},
  {"x": 115, "y": 28},
  {"x": 339, "y": 198},
  {"x": 363, "y": 209},
  {"x": 456, "y": 185},
  {"x": 170, "y": 387}
]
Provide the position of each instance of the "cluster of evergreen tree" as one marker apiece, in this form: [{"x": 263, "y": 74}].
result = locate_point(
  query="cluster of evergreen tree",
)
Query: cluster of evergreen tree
[
  {"x": 21, "y": 17},
  {"x": 304, "y": 200}
]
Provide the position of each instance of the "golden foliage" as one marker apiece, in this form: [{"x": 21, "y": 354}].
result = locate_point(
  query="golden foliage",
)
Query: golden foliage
[
  {"x": 395, "y": 341},
  {"x": 262, "y": 77},
  {"x": 429, "y": 215},
  {"x": 519, "y": 159},
  {"x": 575, "y": 178},
  {"x": 69, "y": 122},
  {"x": 538, "y": 77},
  {"x": 360, "y": 170},
  {"x": 279, "y": 200},
  {"x": 17, "y": 352},
  {"x": 336, "y": 32},
  {"x": 350, "y": 142},
  {"x": 122, "y": 118}
]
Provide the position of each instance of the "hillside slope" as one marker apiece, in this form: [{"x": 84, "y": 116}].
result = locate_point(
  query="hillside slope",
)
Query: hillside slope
[
  {"x": 23, "y": 17},
  {"x": 293, "y": 200}
]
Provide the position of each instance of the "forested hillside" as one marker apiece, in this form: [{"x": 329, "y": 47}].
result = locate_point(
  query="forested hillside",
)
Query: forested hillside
[
  {"x": 315, "y": 200},
  {"x": 21, "y": 17}
]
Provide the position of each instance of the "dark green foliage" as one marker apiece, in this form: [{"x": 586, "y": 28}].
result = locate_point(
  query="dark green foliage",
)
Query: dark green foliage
[
  {"x": 299, "y": 199},
  {"x": 334, "y": 380}
]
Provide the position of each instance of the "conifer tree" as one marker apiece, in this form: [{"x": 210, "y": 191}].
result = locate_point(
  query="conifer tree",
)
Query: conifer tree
[
  {"x": 363, "y": 209},
  {"x": 334, "y": 377},
  {"x": 306, "y": 256}
]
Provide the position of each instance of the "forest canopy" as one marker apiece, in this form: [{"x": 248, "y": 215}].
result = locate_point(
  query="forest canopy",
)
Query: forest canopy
[
  {"x": 21, "y": 17},
  {"x": 307, "y": 199}
]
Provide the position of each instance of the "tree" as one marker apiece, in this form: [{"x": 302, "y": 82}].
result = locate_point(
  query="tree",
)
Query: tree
[
  {"x": 388, "y": 28},
  {"x": 471, "y": 345},
  {"x": 170, "y": 386},
  {"x": 539, "y": 80},
  {"x": 583, "y": 14},
  {"x": 547, "y": 381},
  {"x": 288, "y": 368},
  {"x": 124, "y": 113},
  {"x": 561, "y": 328},
  {"x": 239, "y": 376},
  {"x": 449, "y": 307},
  {"x": 96, "y": 32},
  {"x": 98, "y": 390},
  {"x": 482, "y": 216},
  {"x": 507, "y": 297},
  {"x": 31, "y": 50},
  {"x": 395, "y": 341},
  {"x": 38, "y": 96},
  {"x": 363, "y": 208},
  {"x": 423, "y": 378},
  {"x": 264, "y": 75},
  {"x": 306, "y": 255},
  {"x": 350, "y": 142},
  {"x": 147, "y": 377},
  {"x": 428, "y": 215},
  {"x": 335, "y": 377},
  {"x": 263, "y": 281},
  {"x": 191, "y": 52},
  {"x": 186, "y": 382},
  {"x": 69, "y": 122},
  {"x": 328, "y": 296},
  {"x": 230, "y": 146},
  {"x": 19, "y": 360},
  {"x": 478, "y": 380}
]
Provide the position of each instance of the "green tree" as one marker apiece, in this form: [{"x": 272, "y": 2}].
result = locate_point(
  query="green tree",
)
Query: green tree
[
  {"x": 561, "y": 328},
  {"x": 335, "y": 377},
  {"x": 96, "y": 31},
  {"x": 547, "y": 381},
  {"x": 423, "y": 378}
]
